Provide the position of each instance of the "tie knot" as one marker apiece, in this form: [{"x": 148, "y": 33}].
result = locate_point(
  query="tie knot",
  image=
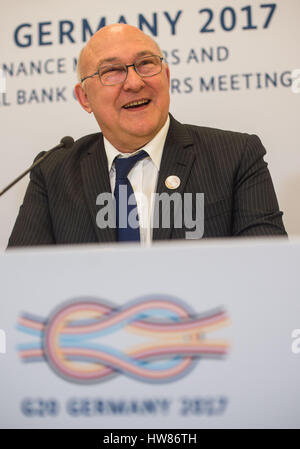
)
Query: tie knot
[{"x": 125, "y": 164}]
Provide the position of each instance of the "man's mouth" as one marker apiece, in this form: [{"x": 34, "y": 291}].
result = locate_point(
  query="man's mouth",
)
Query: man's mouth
[{"x": 137, "y": 104}]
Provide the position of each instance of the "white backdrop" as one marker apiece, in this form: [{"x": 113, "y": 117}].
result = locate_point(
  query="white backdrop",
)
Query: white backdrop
[{"x": 231, "y": 63}]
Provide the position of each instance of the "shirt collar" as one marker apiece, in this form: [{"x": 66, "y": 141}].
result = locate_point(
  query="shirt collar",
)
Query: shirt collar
[{"x": 154, "y": 148}]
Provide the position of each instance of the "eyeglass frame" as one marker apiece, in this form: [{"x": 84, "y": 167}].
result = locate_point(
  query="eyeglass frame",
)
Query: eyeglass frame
[{"x": 126, "y": 67}]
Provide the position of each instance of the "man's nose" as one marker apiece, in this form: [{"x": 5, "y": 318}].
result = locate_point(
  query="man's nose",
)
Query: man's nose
[{"x": 133, "y": 81}]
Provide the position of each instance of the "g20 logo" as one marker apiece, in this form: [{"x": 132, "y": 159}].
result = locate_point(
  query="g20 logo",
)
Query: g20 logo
[{"x": 81, "y": 339}]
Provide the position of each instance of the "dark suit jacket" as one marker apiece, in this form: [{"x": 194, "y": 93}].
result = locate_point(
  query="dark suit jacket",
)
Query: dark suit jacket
[{"x": 228, "y": 167}]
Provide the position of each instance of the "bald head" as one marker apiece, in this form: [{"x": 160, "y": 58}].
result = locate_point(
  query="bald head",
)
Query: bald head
[{"x": 110, "y": 34}]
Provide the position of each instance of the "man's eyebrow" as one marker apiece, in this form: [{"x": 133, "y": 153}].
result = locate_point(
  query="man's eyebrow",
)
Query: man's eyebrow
[{"x": 117, "y": 59}]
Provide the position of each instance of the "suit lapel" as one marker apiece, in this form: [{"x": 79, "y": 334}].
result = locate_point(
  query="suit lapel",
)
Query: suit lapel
[
  {"x": 95, "y": 180},
  {"x": 177, "y": 159}
]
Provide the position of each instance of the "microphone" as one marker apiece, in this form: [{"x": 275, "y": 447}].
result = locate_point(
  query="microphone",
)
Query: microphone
[{"x": 66, "y": 142}]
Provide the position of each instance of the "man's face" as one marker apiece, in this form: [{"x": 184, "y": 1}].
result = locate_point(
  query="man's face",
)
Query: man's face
[{"x": 126, "y": 128}]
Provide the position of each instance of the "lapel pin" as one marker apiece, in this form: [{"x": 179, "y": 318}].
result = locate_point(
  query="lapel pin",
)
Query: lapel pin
[{"x": 172, "y": 182}]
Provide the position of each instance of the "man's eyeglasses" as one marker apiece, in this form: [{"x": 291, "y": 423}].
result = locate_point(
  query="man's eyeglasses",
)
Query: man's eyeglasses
[{"x": 111, "y": 74}]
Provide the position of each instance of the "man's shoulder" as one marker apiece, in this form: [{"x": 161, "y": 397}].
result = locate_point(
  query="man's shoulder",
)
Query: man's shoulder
[
  {"x": 209, "y": 139},
  {"x": 73, "y": 155},
  {"x": 82, "y": 146},
  {"x": 209, "y": 134}
]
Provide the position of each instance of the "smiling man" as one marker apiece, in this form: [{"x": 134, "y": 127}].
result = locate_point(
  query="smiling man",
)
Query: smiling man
[
  {"x": 130, "y": 108},
  {"x": 149, "y": 164}
]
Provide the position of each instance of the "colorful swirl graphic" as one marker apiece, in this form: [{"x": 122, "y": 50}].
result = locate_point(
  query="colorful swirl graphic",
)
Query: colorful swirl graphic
[{"x": 67, "y": 340}]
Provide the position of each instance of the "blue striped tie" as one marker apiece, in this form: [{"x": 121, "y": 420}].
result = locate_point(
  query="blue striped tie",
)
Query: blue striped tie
[{"x": 127, "y": 227}]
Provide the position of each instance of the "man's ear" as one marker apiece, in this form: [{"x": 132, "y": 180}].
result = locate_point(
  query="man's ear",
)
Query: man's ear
[{"x": 82, "y": 98}]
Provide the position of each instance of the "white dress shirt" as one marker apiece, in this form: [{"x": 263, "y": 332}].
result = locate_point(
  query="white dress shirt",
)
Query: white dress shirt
[{"x": 143, "y": 177}]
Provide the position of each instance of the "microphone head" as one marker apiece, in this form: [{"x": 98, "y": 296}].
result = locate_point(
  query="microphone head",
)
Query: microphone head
[{"x": 67, "y": 141}]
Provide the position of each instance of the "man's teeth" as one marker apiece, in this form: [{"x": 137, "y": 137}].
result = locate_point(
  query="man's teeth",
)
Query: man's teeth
[{"x": 136, "y": 103}]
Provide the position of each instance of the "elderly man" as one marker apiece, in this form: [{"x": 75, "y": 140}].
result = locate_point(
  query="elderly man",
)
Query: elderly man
[{"x": 142, "y": 149}]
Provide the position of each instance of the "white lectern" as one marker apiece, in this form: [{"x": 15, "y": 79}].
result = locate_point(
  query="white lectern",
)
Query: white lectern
[{"x": 186, "y": 335}]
